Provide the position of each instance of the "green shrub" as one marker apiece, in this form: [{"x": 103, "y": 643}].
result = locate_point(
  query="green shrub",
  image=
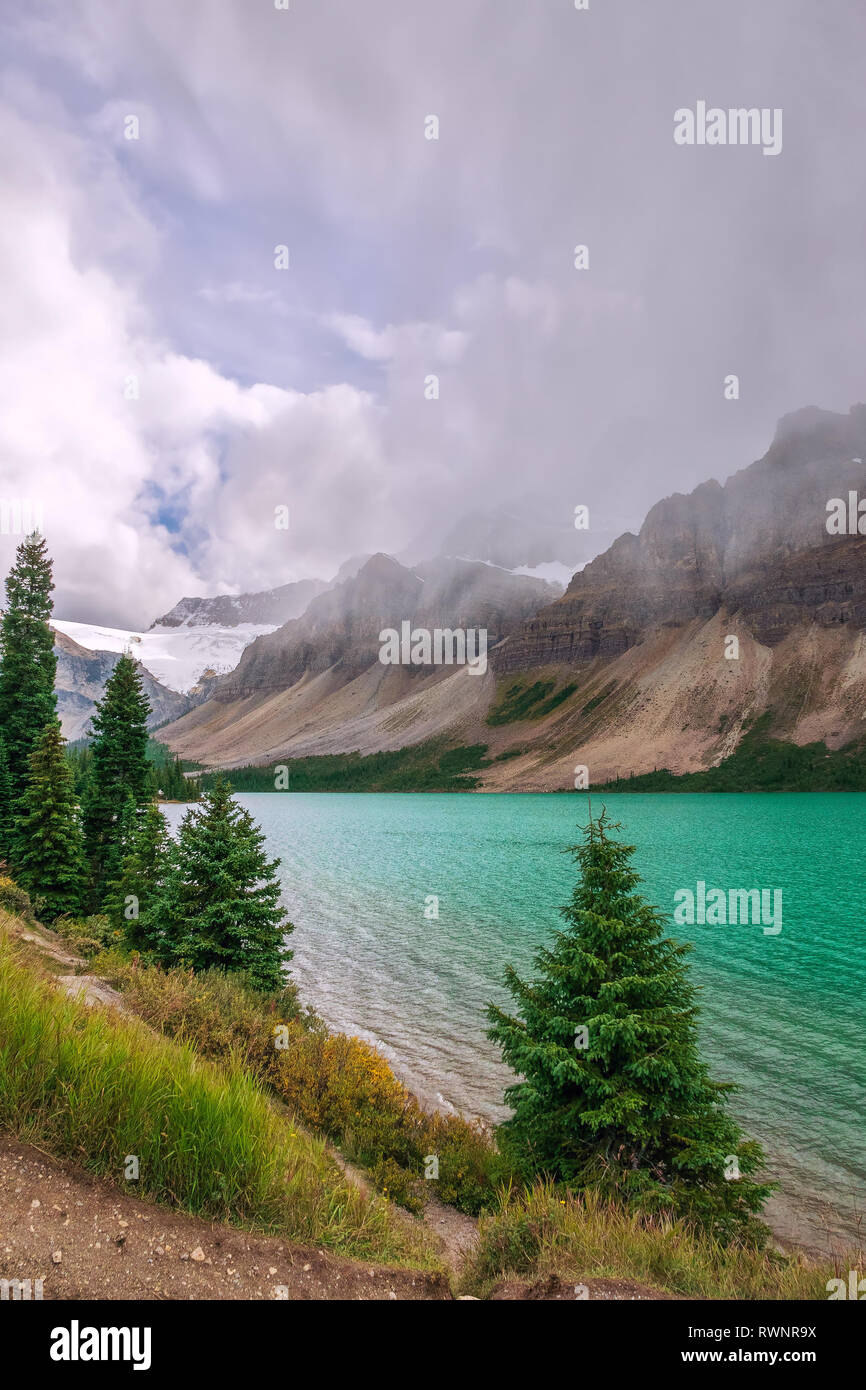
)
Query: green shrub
[
  {"x": 15, "y": 899},
  {"x": 87, "y": 935},
  {"x": 220, "y": 1014},
  {"x": 346, "y": 1088},
  {"x": 519, "y": 701}
]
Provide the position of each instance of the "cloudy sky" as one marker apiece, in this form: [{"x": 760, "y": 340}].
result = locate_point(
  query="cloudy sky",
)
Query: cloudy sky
[{"x": 153, "y": 259}]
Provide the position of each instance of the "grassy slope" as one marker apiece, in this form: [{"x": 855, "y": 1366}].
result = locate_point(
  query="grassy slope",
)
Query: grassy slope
[
  {"x": 525, "y": 1235},
  {"x": 92, "y": 1086},
  {"x": 760, "y": 763},
  {"x": 95, "y": 1087}
]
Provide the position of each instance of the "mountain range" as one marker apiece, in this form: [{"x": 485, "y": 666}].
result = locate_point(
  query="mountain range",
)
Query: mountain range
[{"x": 733, "y": 603}]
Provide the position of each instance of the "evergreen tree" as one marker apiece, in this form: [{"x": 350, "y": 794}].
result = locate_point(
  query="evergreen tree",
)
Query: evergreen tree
[
  {"x": 219, "y": 905},
  {"x": 5, "y": 803},
  {"x": 27, "y": 660},
  {"x": 49, "y": 856},
  {"x": 614, "y": 1092},
  {"x": 140, "y": 880},
  {"x": 119, "y": 847},
  {"x": 118, "y": 765}
]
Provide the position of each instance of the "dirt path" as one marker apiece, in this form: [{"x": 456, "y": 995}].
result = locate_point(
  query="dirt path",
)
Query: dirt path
[
  {"x": 88, "y": 1239},
  {"x": 455, "y": 1234}
]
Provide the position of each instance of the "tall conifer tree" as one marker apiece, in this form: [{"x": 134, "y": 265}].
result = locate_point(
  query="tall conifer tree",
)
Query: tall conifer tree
[
  {"x": 27, "y": 660},
  {"x": 118, "y": 765},
  {"x": 5, "y": 803},
  {"x": 49, "y": 855},
  {"x": 614, "y": 1092}
]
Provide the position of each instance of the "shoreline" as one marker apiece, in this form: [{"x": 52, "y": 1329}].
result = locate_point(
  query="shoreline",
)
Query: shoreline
[{"x": 784, "y": 1209}]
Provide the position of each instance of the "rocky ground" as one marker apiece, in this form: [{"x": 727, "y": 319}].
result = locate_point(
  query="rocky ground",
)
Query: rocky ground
[{"x": 88, "y": 1239}]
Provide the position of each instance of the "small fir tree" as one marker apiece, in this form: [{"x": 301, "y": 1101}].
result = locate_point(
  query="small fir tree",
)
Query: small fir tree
[
  {"x": 614, "y": 1092},
  {"x": 49, "y": 856},
  {"x": 219, "y": 904}
]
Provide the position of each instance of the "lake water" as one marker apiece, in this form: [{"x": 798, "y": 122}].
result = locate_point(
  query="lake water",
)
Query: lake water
[{"x": 783, "y": 1015}]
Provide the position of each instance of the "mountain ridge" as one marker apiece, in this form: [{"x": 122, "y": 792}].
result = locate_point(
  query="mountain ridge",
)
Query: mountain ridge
[{"x": 632, "y": 668}]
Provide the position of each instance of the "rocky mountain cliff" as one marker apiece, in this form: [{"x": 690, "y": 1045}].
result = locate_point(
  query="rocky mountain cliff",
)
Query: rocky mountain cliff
[
  {"x": 270, "y": 607},
  {"x": 340, "y": 629},
  {"x": 758, "y": 546}
]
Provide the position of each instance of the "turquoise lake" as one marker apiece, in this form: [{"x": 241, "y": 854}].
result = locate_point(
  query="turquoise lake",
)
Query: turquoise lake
[{"x": 782, "y": 1015}]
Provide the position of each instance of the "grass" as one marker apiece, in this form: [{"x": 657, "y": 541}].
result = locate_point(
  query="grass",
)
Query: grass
[
  {"x": 94, "y": 1087},
  {"x": 599, "y": 698},
  {"x": 548, "y": 1231},
  {"x": 188, "y": 1087},
  {"x": 336, "y": 1085},
  {"x": 520, "y": 700}
]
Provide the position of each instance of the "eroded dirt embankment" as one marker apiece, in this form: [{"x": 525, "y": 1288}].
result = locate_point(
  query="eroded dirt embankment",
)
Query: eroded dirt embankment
[{"x": 85, "y": 1238}]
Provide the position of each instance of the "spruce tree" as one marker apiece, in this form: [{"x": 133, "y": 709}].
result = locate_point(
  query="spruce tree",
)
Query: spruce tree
[
  {"x": 119, "y": 847},
  {"x": 49, "y": 856},
  {"x": 219, "y": 905},
  {"x": 5, "y": 803},
  {"x": 27, "y": 660},
  {"x": 140, "y": 879},
  {"x": 118, "y": 765},
  {"x": 614, "y": 1092}
]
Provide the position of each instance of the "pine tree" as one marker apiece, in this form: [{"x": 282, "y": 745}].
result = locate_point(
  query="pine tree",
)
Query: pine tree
[
  {"x": 219, "y": 906},
  {"x": 27, "y": 660},
  {"x": 5, "y": 803},
  {"x": 49, "y": 856},
  {"x": 614, "y": 1092},
  {"x": 119, "y": 847},
  {"x": 140, "y": 880},
  {"x": 118, "y": 765}
]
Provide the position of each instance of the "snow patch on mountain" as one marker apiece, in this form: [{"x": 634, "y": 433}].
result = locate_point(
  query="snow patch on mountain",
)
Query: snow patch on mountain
[
  {"x": 552, "y": 572},
  {"x": 176, "y": 656}
]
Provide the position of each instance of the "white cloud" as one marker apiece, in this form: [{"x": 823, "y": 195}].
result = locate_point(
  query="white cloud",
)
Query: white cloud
[
  {"x": 360, "y": 335},
  {"x": 105, "y": 466}
]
